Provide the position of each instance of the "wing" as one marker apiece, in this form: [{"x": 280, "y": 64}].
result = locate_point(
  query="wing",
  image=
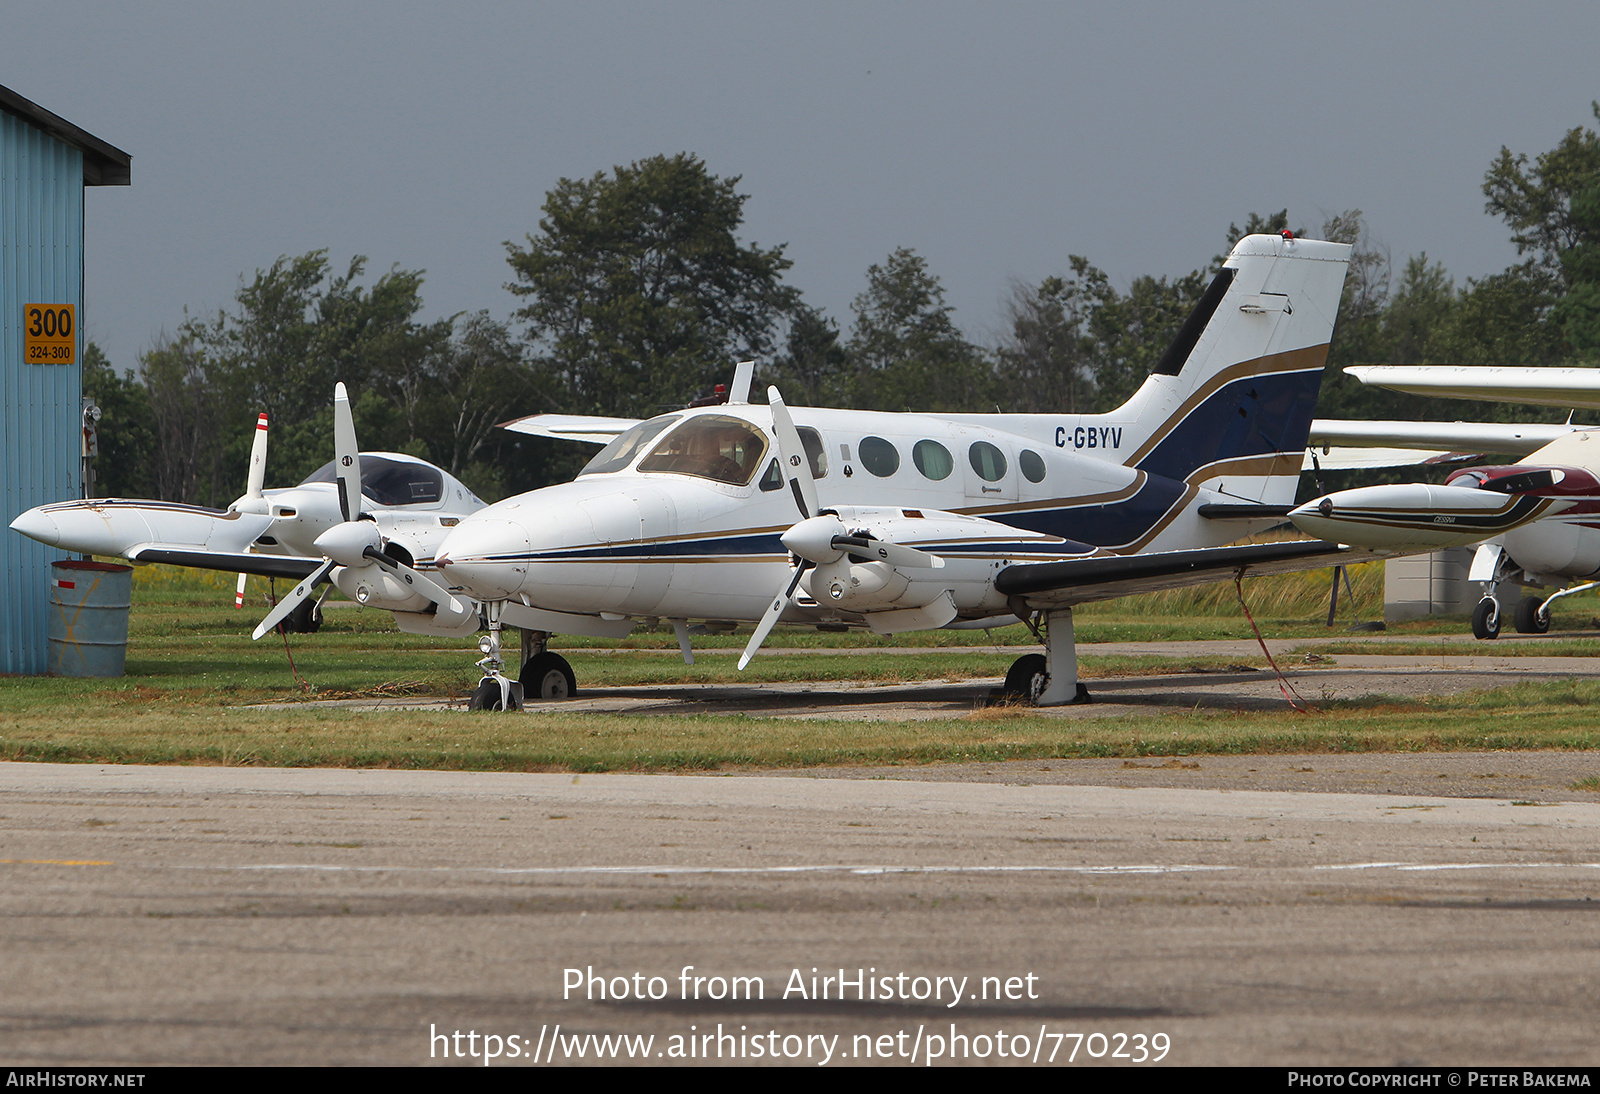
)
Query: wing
[
  {"x": 290, "y": 566},
  {"x": 571, "y": 427},
  {"x": 160, "y": 531},
  {"x": 1336, "y": 458},
  {"x": 1568, "y": 388},
  {"x": 1437, "y": 438},
  {"x": 1044, "y": 585}
]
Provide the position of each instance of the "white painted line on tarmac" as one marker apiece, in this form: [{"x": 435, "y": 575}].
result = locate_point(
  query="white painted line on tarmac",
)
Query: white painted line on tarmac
[{"x": 870, "y": 870}]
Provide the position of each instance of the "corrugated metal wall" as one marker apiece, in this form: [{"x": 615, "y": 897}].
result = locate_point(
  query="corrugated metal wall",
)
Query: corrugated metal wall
[{"x": 41, "y": 261}]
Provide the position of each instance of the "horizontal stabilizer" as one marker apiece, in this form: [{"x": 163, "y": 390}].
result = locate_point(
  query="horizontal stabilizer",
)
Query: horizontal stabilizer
[{"x": 1224, "y": 511}]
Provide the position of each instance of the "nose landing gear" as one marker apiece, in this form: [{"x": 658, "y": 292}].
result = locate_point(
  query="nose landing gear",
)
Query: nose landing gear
[
  {"x": 494, "y": 691},
  {"x": 543, "y": 677}
]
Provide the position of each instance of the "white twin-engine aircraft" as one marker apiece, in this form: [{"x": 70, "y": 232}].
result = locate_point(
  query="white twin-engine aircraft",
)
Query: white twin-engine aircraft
[
  {"x": 271, "y": 533},
  {"x": 741, "y": 512},
  {"x": 901, "y": 522}
]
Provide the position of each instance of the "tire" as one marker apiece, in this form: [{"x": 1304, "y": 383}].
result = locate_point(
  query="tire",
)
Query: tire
[
  {"x": 487, "y": 696},
  {"x": 1530, "y": 620},
  {"x": 1486, "y": 619},
  {"x": 1027, "y": 677},
  {"x": 305, "y": 619},
  {"x": 548, "y": 678}
]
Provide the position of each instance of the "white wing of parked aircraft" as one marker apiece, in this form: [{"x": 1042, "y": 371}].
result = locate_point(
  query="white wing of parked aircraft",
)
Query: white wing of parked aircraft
[
  {"x": 571, "y": 427},
  {"x": 1569, "y": 388}
]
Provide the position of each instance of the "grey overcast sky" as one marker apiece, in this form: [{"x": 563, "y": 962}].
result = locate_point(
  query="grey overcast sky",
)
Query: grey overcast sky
[{"x": 995, "y": 139}]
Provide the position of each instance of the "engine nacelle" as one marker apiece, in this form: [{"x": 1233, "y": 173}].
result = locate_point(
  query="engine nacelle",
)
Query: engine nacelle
[
  {"x": 1555, "y": 546},
  {"x": 374, "y": 586}
]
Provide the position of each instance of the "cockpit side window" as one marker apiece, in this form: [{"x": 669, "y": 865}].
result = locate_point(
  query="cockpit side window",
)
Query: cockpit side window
[
  {"x": 622, "y": 450},
  {"x": 711, "y": 446},
  {"x": 391, "y": 482}
]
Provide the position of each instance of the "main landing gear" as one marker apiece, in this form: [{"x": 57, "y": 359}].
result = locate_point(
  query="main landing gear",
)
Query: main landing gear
[{"x": 1049, "y": 679}]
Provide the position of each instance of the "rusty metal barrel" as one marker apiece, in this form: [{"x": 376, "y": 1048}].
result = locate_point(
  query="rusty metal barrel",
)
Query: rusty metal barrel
[{"x": 89, "y": 604}]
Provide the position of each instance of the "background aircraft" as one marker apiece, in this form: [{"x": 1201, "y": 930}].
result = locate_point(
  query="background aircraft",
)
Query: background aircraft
[
  {"x": 271, "y": 533},
  {"x": 1537, "y": 521}
]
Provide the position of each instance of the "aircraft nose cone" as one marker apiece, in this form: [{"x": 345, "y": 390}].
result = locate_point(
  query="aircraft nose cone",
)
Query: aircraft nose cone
[
  {"x": 37, "y": 524},
  {"x": 487, "y": 556}
]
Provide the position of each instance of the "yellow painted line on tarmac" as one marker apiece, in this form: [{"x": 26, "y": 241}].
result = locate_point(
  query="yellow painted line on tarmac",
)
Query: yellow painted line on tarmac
[{"x": 57, "y": 861}]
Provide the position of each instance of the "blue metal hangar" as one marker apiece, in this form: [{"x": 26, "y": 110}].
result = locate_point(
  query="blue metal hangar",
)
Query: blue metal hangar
[{"x": 45, "y": 162}]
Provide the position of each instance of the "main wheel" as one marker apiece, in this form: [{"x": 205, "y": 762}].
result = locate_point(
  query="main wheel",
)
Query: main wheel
[
  {"x": 1027, "y": 677},
  {"x": 305, "y": 619},
  {"x": 548, "y": 677},
  {"x": 1530, "y": 620},
  {"x": 1486, "y": 619},
  {"x": 487, "y": 696}
]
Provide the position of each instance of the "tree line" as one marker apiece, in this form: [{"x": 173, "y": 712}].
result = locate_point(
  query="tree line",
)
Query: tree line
[{"x": 635, "y": 295}]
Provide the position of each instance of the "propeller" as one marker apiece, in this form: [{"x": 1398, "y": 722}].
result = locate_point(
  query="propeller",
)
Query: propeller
[
  {"x": 356, "y": 542},
  {"x": 819, "y": 539},
  {"x": 255, "y": 479}
]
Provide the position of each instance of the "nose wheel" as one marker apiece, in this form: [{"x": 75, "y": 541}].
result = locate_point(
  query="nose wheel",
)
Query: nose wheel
[{"x": 1486, "y": 619}]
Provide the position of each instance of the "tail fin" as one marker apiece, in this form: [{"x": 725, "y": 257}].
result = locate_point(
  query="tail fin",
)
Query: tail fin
[{"x": 1229, "y": 405}]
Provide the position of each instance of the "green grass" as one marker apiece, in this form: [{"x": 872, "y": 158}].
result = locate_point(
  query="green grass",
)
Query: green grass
[{"x": 193, "y": 675}]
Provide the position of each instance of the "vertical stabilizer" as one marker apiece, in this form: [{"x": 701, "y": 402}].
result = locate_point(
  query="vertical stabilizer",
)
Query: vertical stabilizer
[{"x": 1228, "y": 407}]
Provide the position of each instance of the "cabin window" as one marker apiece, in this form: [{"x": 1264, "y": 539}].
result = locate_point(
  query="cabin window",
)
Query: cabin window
[
  {"x": 626, "y": 445},
  {"x": 1032, "y": 465},
  {"x": 710, "y": 446},
  {"x": 933, "y": 460},
  {"x": 987, "y": 460},
  {"x": 878, "y": 456}
]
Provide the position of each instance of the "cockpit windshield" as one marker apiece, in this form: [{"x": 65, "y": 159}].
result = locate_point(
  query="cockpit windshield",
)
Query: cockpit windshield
[
  {"x": 712, "y": 446},
  {"x": 626, "y": 445},
  {"x": 391, "y": 482}
]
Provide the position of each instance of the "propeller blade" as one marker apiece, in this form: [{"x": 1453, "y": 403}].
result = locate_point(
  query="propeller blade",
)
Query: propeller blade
[
  {"x": 238, "y": 591},
  {"x": 258, "y": 460},
  {"x": 421, "y": 582},
  {"x": 770, "y": 619},
  {"x": 792, "y": 457},
  {"x": 292, "y": 601},
  {"x": 881, "y": 550},
  {"x": 347, "y": 456}
]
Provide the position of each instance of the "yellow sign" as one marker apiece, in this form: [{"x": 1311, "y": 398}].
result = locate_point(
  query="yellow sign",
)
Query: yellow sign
[{"x": 50, "y": 334}]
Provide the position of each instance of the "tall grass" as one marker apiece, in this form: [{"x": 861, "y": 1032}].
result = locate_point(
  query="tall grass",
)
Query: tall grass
[{"x": 1303, "y": 594}]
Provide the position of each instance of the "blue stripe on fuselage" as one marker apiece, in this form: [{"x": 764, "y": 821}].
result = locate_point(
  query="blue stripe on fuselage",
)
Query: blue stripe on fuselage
[
  {"x": 1103, "y": 525},
  {"x": 1251, "y": 416}
]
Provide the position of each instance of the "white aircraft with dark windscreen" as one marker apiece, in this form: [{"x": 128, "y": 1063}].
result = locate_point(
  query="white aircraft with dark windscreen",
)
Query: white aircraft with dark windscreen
[{"x": 273, "y": 533}]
